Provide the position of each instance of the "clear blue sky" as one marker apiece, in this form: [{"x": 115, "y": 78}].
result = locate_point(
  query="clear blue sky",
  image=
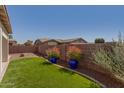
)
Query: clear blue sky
[{"x": 88, "y": 22}]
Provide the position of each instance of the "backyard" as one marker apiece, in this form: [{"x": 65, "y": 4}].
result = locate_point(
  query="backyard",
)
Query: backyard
[{"x": 38, "y": 72}]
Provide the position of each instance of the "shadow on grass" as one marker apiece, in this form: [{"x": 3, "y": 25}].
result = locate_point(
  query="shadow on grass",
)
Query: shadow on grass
[
  {"x": 46, "y": 63},
  {"x": 66, "y": 71}
]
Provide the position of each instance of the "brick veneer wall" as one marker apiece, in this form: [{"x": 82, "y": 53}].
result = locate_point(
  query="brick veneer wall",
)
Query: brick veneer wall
[{"x": 22, "y": 49}]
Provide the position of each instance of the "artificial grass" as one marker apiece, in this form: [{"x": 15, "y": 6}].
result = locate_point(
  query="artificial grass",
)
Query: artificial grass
[{"x": 39, "y": 73}]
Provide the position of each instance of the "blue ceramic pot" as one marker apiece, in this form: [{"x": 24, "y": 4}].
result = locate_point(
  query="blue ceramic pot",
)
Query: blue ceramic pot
[
  {"x": 73, "y": 63},
  {"x": 53, "y": 60}
]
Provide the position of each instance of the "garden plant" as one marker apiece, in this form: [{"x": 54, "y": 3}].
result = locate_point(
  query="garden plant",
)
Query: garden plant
[
  {"x": 99, "y": 40},
  {"x": 74, "y": 55},
  {"x": 53, "y": 54},
  {"x": 112, "y": 60}
]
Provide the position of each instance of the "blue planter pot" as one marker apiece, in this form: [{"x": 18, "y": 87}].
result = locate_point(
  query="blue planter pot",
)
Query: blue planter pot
[
  {"x": 53, "y": 60},
  {"x": 73, "y": 63}
]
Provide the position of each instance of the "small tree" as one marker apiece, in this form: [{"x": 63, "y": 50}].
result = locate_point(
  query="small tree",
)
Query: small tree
[
  {"x": 99, "y": 40},
  {"x": 28, "y": 43}
]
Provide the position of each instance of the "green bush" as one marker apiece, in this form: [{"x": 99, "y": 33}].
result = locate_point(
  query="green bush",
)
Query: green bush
[
  {"x": 112, "y": 60},
  {"x": 22, "y": 55},
  {"x": 53, "y": 52},
  {"x": 28, "y": 43},
  {"x": 99, "y": 40},
  {"x": 74, "y": 53},
  {"x": 101, "y": 57}
]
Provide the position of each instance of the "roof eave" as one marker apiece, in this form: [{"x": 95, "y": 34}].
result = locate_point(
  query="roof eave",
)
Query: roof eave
[{"x": 5, "y": 19}]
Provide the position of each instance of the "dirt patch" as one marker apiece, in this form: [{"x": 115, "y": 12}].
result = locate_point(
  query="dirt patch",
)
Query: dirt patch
[
  {"x": 108, "y": 80},
  {"x": 19, "y": 55}
]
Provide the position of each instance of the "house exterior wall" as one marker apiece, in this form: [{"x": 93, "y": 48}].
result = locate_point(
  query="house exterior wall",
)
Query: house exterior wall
[
  {"x": 78, "y": 41},
  {"x": 0, "y": 49},
  {"x": 4, "y": 32},
  {"x": 37, "y": 43},
  {"x": 52, "y": 43},
  {"x": 4, "y": 49},
  {"x": 3, "y": 46}
]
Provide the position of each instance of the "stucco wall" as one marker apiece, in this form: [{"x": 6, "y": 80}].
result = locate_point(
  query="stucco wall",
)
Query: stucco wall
[
  {"x": 3, "y": 29},
  {"x": 3, "y": 47}
]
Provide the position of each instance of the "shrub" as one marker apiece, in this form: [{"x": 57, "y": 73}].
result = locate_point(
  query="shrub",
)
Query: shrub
[
  {"x": 22, "y": 55},
  {"x": 53, "y": 52},
  {"x": 101, "y": 57},
  {"x": 114, "y": 60},
  {"x": 117, "y": 59},
  {"x": 99, "y": 40},
  {"x": 74, "y": 53},
  {"x": 28, "y": 43}
]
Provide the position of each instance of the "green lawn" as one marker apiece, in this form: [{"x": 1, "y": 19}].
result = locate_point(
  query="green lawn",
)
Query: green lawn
[{"x": 37, "y": 72}]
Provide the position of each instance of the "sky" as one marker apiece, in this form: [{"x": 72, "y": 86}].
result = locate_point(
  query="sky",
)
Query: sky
[{"x": 64, "y": 22}]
